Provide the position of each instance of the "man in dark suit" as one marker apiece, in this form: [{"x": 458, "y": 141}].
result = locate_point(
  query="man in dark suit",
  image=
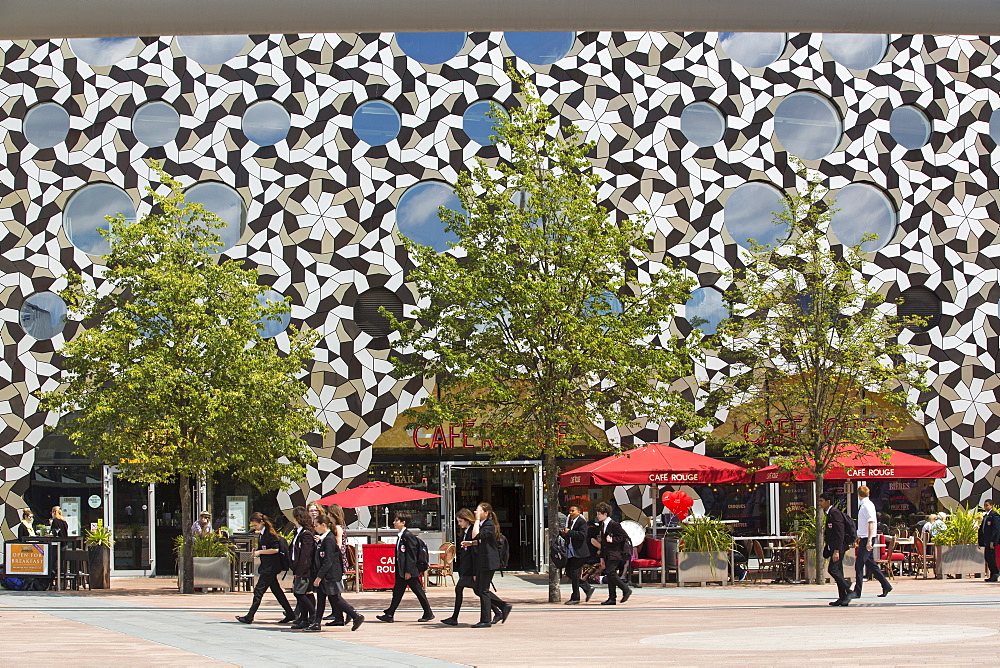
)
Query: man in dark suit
[
  {"x": 577, "y": 552},
  {"x": 613, "y": 539},
  {"x": 407, "y": 573},
  {"x": 989, "y": 538},
  {"x": 835, "y": 549}
]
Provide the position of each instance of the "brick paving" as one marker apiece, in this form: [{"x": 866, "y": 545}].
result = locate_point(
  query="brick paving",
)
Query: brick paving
[{"x": 748, "y": 625}]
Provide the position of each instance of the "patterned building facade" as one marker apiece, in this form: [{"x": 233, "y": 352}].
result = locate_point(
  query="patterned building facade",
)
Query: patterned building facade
[{"x": 319, "y": 149}]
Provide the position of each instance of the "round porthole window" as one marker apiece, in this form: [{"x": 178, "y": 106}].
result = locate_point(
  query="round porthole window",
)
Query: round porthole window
[
  {"x": 750, "y": 213},
  {"x": 156, "y": 123},
  {"x": 540, "y": 48},
  {"x": 225, "y": 203},
  {"x": 211, "y": 49},
  {"x": 995, "y": 126},
  {"x": 417, "y": 213},
  {"x": 102, "y": 51},
  {"x": 266, "y": 123},
  {"x": 922, "y": 302},
  {"x": 862, "y": 208},
  {"x": 431, "y": 48},
  {"x": 85, "y": 215},
  {"x": 753, "y": 49},
  {"x": 910, "y": 127},
  {"x": 807, "y": 125},
  {"x": 376, "y": 123},
  {"x": 705, "y": 310},
  {"x": 46, "y": 125},
  {"x": 478, "y": 124},
  {"x": 269, "y": 327},
  {"x": 702, "y": 124},
  {"x": 367, "y": 315},
  {"x": 43, "y": 315},
  {"x": 856, "y": 51}
]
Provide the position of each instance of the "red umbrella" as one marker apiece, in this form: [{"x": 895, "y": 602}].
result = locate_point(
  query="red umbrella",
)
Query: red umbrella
[
  {"x": 376, "y": 494},
  {"x": 654, "y": 464},
  {"x": 862, "y": 467}
]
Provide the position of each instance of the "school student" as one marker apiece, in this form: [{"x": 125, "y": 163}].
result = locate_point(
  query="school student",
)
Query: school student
[
  {"x": 486, "y": 539},
  {"x": 301, "y": 558},
  {"x": 329, "y": 577},
  {"x": 268, "y": 547},
  {"x": 407, "y": 573},
  {"x": 465, "y": 565}
]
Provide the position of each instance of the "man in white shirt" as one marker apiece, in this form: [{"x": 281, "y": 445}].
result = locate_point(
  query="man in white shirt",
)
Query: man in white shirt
[{"x": 867, "y": 537}]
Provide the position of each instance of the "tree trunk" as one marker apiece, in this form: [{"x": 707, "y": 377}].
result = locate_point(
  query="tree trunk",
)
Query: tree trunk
[
  {"x": 820, "y": 528},
  {"x": 551, "y": 485},
  {"x": 187, "y": 553}
]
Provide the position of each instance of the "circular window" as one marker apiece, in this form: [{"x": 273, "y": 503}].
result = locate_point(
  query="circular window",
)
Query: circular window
[
  {"x": 995, "y": 126},
  {"x": 856, "y": 51},
  {"x": 46, "y": 125},
  {"x": 376, "y": 123},
  {"x": 753, "y": 49},
  {"x": 705, "y": 310},
  {"x": 211, "y": 49},
  {"x": 225, "y": 203},
  {"x": 156, "y": 123},
  {"x": 43, "y": 315},
  {"x": 540, "y": 48},
  {"x": 702, "y": 124},
  {"x": 807, "y": 125},
  {"x": 271, "y": 326},
  {"x": 102, "y": 51},
  {"x": 266, "y": 123},
  {"x": 366, "y": 311},
  {"x": 862, "y": 208},
  {"x": 910, "y": 127},
  {"x": 750, "y": 213},
  {"x": 417, "y": 213},
  {"x": 478, "y": 124},
  {"x": 431, "y": 48},
  {"x": 84, "y": 217},
  {"x": 922, "y": 302}
]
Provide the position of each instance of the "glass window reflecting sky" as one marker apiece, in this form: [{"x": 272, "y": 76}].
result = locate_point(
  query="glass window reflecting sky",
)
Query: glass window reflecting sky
[
  {"x": 431, "y": 48},
  {"x": 540, "y": 48},
  {"x": 910, "y": 127},
  {"x": 227, "y": 204},
  {"x": 753, "y": 49},
  {"x": 271, "y": 327},
  {"x": 750, "y": 213},
  {"x": 43, "y": 315},
  {"x": 46, "y": 125},
  {"x": 706, "y": 309},
  {"x": 376, "y": 122},
  {"x": 862, "y": 208},
  {"x": 156, "y": 123},
  {"x": 477, "y": 124},
  {"x": 211, "y": 49},
  {"x": 856, "y": 51},
  {"x": 102, "y": 51},
  {"x": 702, "y": 124},
  {"x": 85, "y": 213},
  {"x": 266, "y": 123},
  {"x": 417, "y": 213},
  {"x": 807, "y": 125}
]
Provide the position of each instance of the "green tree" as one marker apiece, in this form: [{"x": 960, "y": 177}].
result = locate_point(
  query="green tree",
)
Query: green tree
[
  {"x": 816, "y": 366},
  {"x": 535, "y": 325},
  {"x": 170, "y": 379}
]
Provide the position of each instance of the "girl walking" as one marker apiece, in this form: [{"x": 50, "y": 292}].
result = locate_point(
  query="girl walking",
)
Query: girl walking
[
  {"x": 329, "y": 577},
  {"x": 268, "y": 547},
  {"x": 301, "y": 557}
]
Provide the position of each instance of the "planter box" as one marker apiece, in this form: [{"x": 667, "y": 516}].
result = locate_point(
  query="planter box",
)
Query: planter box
[
  {"x": 99, "y": 565},
  {"x": 849, "y": 562},
  {"x": 959, "y": 560},
  {"x": 702, "y": 568},
  {"x": 209, "y": 573}
]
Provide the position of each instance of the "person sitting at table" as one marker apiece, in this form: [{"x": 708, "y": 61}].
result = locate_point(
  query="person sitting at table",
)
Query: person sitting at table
[
  {"x": 203, "y": 525},
  {"x": 25, "y": 528},
  {"x": 935, "y": 525},
  {"x": 58, "y": 526}
]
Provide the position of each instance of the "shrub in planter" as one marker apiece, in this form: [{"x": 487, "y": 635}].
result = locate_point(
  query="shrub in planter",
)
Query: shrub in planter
[
  {"x": 703, "y": 551},
  {"x": 957, "y": 545},
  {"x": 99, "y": 542}
]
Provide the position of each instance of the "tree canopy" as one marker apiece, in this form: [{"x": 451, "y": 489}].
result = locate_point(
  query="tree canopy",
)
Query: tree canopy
[
  {"x": 170, "y": 378},
  {"x": 537, "y": 324}
]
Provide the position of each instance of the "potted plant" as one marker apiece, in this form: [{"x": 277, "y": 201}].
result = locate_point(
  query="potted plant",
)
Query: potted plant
[
  {"x": 957, "y": 545},
  {"x": 805, "y": 541},
  {"x": 213, "y": 560},
  {"x": 99, "y": 542},
  {"x": 703, "y": 551}
]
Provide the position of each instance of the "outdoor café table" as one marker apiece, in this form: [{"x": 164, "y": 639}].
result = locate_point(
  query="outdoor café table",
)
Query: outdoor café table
[
  {"x": 768, "y": 539},
  {"x": 907, "y": 551}
]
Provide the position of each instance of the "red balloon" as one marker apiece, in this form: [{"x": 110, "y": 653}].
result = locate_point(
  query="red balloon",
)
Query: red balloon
[{"x": 682, "y": 514}]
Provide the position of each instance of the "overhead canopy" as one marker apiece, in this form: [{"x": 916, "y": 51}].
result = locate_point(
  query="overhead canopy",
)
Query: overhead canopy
[
  {"x": 657, "y": 464},
  {"x": 862, "y": 467},
  {"x": 376, "y": 494}
]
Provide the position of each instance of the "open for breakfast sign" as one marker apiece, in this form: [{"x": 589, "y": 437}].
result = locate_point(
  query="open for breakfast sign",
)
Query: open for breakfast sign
[{"x": 27, "y": 558}]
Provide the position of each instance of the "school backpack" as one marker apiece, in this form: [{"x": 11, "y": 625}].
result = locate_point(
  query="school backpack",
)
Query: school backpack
[
  {"x": 504, "y": 547},
  {"x": 850, "y": 530},
  {"x": 13, "y": 583},
  {"x": 423, "y": 555},
  {"x": 627, "y": 549},
  {"x": 284, "y": 558}
]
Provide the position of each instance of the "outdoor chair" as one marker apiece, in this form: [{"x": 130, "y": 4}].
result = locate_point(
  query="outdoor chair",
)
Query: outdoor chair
[
  {"x": 244, "y": 572},
  {"x": 922, "y": 560},
  {"x": 889, "y": 557},
  {"x": 650, "y": 560},
  {"x": 444, "y": 569},
  {"x": 76, "y": 569},
  {"x": 757, "y": 564},
  {"x": 353, "y": 571}
]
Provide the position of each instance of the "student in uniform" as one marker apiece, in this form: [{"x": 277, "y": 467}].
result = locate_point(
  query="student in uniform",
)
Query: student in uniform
[
  {"x": 613, "y": 540},
  {"x": 268, "y": 547},
  {"x": 301, "y": 558},
  {"x": 329, "y": 577},
  {"x": 485, "y": 538},
  {"x": 407, "y": 573},
  {"x": 465, "y": 565},
  {"x": 336, "y": 514}
]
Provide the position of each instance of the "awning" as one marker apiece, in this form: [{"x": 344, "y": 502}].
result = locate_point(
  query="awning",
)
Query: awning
[
  {"x": 862, "y": 467},
  {"x": 654, "y": 464}
]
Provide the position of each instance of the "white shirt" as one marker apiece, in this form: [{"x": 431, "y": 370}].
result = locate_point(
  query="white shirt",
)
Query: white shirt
[{"x": 866, "y": 514}]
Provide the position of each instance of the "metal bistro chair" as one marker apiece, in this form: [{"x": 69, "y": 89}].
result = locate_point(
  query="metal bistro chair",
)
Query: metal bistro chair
[
  {"x": 443, "y": 569},
  {"x": 76, "y": 573},
  {"x": 757, "y": 564},
  {"x": 353, "y": 572},
  {"x": 244, "y": 573},
  {"x": 922, "y": 560}
]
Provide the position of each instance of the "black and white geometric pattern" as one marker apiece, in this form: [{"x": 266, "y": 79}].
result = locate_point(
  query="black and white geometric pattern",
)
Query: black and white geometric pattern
[{"x": 321, "y": 203}]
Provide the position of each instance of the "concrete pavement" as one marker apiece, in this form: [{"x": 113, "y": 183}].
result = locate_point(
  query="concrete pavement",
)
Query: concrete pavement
[{"x": 144, "y": 622}]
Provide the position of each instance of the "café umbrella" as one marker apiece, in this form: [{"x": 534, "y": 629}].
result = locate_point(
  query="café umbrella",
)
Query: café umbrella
[
  {"x": 376, "y": 493},
  {"x": 854, "y": 466}
]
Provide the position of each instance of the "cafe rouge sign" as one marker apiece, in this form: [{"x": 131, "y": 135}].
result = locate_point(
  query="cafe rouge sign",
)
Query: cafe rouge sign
[{"x": 451, "y": 436}]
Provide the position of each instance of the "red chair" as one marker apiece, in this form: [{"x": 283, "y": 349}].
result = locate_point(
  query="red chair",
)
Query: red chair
[{"x": 651, "y": 559}]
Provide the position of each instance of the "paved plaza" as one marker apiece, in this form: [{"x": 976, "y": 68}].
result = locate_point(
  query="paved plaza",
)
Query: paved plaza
[{"x": 145, "y": 622}]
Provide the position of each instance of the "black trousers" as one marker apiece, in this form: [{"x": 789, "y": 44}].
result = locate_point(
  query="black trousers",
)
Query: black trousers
[
  {"x": 337, "y": 602},
  {"x": 267, "y": 581},
  {"x": 866, "y": 560},
  {"x": 573, "y": 567},
  {"x": 467, "y": 582},
  {"x": 487, "y": 599},
  {"x": 613, "y": 579},
  {"x": 991, "y": 560},
  {"x": 836, "y": 571},
  {"x": 397, "y": 594}
]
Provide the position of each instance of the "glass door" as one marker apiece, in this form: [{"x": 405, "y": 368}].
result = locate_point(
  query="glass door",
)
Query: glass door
[{"x": 129, "y": 506}]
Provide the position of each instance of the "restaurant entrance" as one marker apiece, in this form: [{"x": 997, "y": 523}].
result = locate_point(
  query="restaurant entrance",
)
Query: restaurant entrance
[
  {"x": 145, "y": 519},
  {"x": 514, "y": 489}
]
